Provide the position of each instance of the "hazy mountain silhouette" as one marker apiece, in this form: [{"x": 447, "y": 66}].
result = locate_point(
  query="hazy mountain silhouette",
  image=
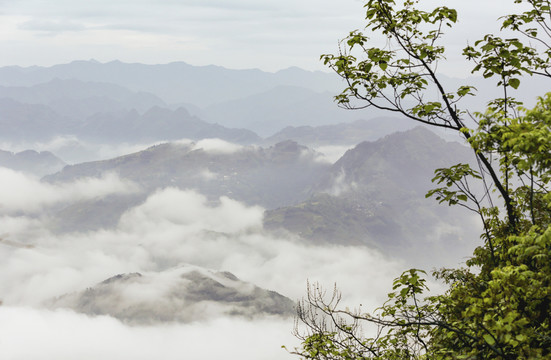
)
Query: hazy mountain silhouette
[
  {"x": 32, "y": 162},
  {"x": 36, "y": 122},
  {"x": 174, "y": 82},
  {"x": 260, "y": 101},
  {"x": 351, "y": 133},
  {"x": 158, "y": 124},
  {"x": 30, "y": 122},
  {"x": 78, "y": 99}
]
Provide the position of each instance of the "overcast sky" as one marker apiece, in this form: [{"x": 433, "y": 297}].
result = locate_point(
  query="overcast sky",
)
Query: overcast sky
[{"x": 266, "y": 34}]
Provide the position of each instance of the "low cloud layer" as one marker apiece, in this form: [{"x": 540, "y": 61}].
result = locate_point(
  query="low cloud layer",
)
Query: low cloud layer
[
  {"x": 217, "y": 146},
  {"x": 174, "y": 227},
  {"x": 74, "y": 150},
  {"x": 29, "y": 334},
  {"x": 21, "y": 193},
  {"x": 170, "y": 229}
]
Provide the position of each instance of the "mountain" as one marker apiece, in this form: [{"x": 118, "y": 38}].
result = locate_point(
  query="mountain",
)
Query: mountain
[
  {"x": 79, "y": 99},
  {"x": 36, "y": 122},
  {"x": 181, "y": 295},
  {"x": 374, "y": 195},
  {"x": 30, "y": 122},
  {"x": 402, "y": 160},
  {"x": 270, "y": 177},
  {"x": 158, "y": 124},
  {"x": 32, "y": 162},
  {"x": 175, "y": 82}
]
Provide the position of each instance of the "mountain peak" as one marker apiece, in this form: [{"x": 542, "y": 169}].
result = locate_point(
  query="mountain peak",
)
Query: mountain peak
[
  {"x": 184, "y": 290},
  {"x": 407, "y": 158}
]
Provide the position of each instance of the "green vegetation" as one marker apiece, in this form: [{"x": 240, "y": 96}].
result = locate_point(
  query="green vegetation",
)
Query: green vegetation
[{"x": 499, "y": 305}]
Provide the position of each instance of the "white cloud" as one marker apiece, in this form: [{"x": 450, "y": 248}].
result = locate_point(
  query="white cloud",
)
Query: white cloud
[
  {"x": 340, "y": 185},
  {"x": 31, "y": 334},
  {"x": 74, "y": 150},
  {"x": 190, "y": 210},
  {"x": 207, "y": 175},
  {"x": 171, "y": 228},
  {"x": 217, "y": 146},
  {"x": 176, "y": 227},
  {"x": 332, "y": 153},
  {"x": 20, "y": 192}
]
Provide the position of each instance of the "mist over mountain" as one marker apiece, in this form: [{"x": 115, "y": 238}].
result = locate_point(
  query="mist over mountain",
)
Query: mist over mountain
[
  {"x": 279, "y": 175},
  {"x": 180, "y": 295},
  {"x": 374, "y": 195}
]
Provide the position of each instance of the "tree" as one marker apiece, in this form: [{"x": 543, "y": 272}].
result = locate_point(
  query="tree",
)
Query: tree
[{"x": 499, "y": 305}]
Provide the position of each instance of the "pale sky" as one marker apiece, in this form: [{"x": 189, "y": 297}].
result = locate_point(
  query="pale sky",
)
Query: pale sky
[{"x": 265, "y": 34}]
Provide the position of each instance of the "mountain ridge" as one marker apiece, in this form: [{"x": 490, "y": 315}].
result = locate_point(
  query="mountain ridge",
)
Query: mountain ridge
[{"x": 173, "y": 82}]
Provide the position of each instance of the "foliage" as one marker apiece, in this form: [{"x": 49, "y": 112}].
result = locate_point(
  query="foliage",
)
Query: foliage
[{"x": 499, "y": 305}]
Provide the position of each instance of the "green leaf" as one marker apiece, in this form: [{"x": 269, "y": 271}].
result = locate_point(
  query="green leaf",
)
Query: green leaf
[
  {"x": 489, "y": 339},
  {"x": 514, "y": 83}
]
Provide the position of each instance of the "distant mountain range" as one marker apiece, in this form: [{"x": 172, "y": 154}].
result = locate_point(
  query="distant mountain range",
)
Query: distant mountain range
[
  {"x": 36, "y": 122},
  {"x": 109, "y": 101},
  {"x": 87, "y": 96},
  {"x": 175, "y": 82}
]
